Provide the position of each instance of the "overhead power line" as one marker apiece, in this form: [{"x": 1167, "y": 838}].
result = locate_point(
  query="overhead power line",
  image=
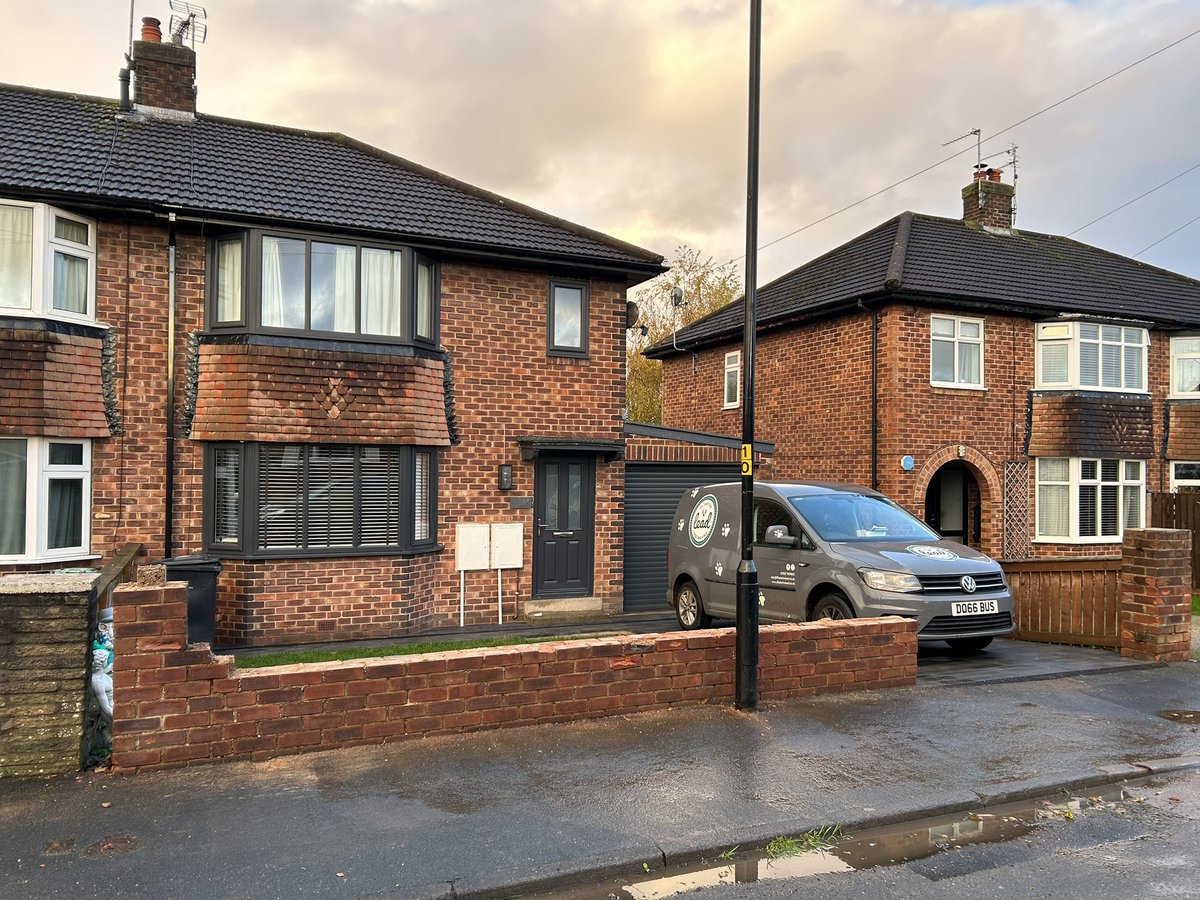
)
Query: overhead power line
[
  {"x": 1134, "y": 200},
  {"x": 995, "y": 134},
  {"x": 1165, "y": 236}
]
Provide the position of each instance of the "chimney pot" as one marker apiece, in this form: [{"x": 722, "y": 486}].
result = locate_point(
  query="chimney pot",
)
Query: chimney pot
[{"x": 151, "y": 29}]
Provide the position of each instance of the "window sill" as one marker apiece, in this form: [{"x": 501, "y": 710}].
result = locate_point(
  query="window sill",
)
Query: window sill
[
  {"x": 568, "y": 354},
  {"x": 336, "y": 553},
  {"x": 1083, "y": 542},
  {"x": 958, "y": 387},
  {"x": 731, "y": 406},
  {"x": 1063, "y": 388},
  {"x": 47, "y": 560}
]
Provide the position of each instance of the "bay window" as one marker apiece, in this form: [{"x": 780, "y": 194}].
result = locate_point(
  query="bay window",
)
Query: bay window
[
  {"x": 1089, "y": 500},
  {"x": 1185, "y": 367},
  {"x": 319, "y": 500},
  {"x": 322, "y": 287},
  {"x": 45, "y": 499},
  {"x": 1091, "y": 356},
  {"x": 47, "y": 262}
]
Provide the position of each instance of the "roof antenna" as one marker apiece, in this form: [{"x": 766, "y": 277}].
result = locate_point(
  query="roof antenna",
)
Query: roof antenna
[
  {"x": 1012, "y": 152},
  {"x": 188, "y": 20},
  {"x": 978, "y": 157}
]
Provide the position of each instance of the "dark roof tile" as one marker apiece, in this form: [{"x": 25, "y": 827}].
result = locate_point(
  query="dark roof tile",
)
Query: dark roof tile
[
  {"x": 74, "y": 145},
  {"x": 943, "y": 260}
]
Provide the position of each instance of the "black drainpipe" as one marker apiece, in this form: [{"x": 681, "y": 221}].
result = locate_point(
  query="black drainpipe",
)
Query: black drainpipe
[
  {"x": 169, "y": 537},
  {"x": 874, "y": 394}
]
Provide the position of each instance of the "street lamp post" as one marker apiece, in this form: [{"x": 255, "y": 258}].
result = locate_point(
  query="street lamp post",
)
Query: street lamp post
[{"x": 747, "y": 574}]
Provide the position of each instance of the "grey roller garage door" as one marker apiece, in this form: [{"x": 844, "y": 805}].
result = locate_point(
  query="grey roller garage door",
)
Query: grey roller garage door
[{"x": 651, "y": 493}]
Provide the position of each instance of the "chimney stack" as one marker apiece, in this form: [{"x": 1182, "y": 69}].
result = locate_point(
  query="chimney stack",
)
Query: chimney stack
[
  {"x": 164, "y": 74},
  {"x": 988, "y": 202}
]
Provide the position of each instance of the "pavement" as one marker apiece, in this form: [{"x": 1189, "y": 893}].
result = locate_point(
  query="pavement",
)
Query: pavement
[{"x": 505, "y": 813}]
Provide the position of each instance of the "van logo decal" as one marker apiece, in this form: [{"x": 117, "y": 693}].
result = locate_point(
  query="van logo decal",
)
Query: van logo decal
[
  {"x": 932, "y": 552},
  {"x": 725, "y": 530},
  {"x": 968, "y": 584},
  {"x": 703, "y": 521}
]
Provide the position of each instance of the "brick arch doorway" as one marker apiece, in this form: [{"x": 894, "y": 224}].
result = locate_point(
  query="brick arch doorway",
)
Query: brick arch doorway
[{"x": 954, "y": 503}]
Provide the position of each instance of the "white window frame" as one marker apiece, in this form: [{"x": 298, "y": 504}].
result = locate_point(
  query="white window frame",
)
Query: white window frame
[
  {"x": 957, "y": 340},
  {"x": 1176, "y": 357},
  {"x": 44, "y": 246},
  {"x": 1068, "y": 334},
  {"x": 733, "y": 363},
  {"x": 1177, "y": 482},
  {"x": 38, "y": 475},
  {"x": 1074, "y": 483}
]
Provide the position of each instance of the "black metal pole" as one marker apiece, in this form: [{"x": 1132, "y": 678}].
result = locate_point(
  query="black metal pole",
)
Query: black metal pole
[{"x": 747, "y": 574}]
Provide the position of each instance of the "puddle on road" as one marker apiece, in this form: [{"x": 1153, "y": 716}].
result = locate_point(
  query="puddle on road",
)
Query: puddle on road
[{"x": 867, "y": 849}]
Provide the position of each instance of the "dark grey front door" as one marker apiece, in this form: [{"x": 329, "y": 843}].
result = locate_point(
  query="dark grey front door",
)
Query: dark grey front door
[{"x": 565, "y": 526}]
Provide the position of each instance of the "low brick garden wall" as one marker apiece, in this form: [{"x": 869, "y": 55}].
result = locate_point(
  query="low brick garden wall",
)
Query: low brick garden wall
[{"x": 178, "y": 705}]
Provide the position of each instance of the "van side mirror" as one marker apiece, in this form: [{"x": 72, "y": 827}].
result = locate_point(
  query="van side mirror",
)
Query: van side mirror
[{"x": 780, "y": 536}]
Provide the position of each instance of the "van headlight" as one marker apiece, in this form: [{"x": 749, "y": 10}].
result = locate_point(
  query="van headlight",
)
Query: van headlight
[{"x": 890, "y": 581}]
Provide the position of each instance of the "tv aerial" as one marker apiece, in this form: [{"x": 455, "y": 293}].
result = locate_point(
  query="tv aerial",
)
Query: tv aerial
[{"x": 187, "y": 23}]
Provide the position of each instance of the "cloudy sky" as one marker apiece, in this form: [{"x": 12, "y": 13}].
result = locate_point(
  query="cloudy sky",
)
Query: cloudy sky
[{"x": 630, "y": 115}]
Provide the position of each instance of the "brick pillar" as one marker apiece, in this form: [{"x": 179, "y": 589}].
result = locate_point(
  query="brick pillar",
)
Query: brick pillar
[
  {"x": 154, "y": 676},
  {"x": 1156, "y": 594}
]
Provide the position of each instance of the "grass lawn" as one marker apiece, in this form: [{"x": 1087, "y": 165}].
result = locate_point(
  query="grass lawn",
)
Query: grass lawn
[
  {"x": 1196, "y": 604},
  {"x": 288, "y": 657}
]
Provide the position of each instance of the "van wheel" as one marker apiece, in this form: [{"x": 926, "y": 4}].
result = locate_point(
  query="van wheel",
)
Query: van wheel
[
  {"x": 689, "y": 608},
  {"x": 831, "y": 606},
  {"x": 969, "y": 645}
]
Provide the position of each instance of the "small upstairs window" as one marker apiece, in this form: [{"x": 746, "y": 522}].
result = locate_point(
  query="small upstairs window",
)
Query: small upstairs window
[
  {"x": 567, "y": 319},
  {"x": 955, "y": 352},
  {"x": 733, "y": 380},
  {"x": 47, "y": 262}
]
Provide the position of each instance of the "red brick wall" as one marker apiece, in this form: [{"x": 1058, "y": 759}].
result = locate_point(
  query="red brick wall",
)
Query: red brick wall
[
  {"x": 505, "y": 387},
  {"x": 312, "y": 396},
  {"x": 814, "y": 401},
  {"x": 50, "y": 384},
  {"x": 164, "y": 75},
  {"x": 177, "y": 705}
]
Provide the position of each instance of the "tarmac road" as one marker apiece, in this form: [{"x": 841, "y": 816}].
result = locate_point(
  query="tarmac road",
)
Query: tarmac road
[{"x": 500, "y": 813}]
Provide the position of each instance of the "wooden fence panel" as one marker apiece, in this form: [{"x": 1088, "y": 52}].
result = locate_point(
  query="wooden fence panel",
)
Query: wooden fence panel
[
  {"x": 1066, "y": 601},
  {"x": 1181, "y": 510}
]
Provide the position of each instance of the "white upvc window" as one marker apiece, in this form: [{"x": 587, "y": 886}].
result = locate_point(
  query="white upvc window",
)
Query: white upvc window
[
  {"x": 47, "y": 262},
  {"x": 1091, "y": 356},
  {"x": 1185, "y": 367},
  {"x": 1089, "y": 501},
  {"x": 955, "y": 352},
  {"x": 45, "y": 499},
  {"x": 733, "y": 380},
  {"x": 1185, "y": 476}
]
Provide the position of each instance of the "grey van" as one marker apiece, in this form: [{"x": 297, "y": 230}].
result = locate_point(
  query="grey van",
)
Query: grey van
[{"x": 832, "y": 551}]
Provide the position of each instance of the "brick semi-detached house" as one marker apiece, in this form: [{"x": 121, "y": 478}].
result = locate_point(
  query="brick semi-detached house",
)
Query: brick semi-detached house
[
  {"x": 305, "y": 356},
  {"x": 1021, "y": 391}
]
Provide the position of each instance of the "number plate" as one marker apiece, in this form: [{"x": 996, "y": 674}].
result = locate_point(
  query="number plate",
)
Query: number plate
[{"x": 973, "y": 607}]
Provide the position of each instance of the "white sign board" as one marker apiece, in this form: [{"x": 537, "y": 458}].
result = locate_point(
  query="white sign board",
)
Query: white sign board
[
  {"x": 508, "y": 545},
  {"x": 472, "y": 547}
]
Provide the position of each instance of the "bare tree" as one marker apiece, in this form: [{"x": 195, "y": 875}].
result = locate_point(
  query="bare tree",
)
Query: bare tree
[{"x": 706, "y": 286}]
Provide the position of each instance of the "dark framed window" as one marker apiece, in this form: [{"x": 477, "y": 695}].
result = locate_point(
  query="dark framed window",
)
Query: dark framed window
[
  {"x": 567, "y": 318},
  {"x": 319, "y": 499},
  {"x": 288, "y": 282}
]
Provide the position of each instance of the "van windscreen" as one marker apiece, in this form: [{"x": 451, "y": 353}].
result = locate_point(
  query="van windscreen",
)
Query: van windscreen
[{"x": 858, "y": 517}]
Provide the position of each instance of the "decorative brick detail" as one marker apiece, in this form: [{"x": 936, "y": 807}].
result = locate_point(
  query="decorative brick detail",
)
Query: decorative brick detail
[
  {"x": 640, "y": 448},
  {"x": 1156, "y": 594},
  {"x": 177, "y": 707},
  {"x": 268, "y": 393},
  {"x": 50, "y": 384},
  {"x": 1077, "y": 423},
  {"x": 1183, "y": 430}
]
